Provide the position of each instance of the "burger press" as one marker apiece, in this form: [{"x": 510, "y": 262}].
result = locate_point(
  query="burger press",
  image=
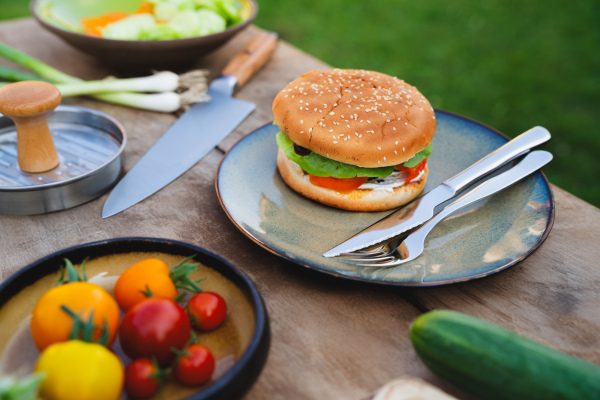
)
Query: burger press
[{"x": 62, "y": 158}]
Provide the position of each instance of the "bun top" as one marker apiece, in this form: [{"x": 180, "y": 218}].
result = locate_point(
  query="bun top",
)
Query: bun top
[{"x": 357, "y": 117}]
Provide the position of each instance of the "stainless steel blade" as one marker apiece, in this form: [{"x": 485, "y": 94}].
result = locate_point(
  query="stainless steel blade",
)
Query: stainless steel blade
[
  {"x": 406, "y": 218},
  {"x": 187, "y": 141}
]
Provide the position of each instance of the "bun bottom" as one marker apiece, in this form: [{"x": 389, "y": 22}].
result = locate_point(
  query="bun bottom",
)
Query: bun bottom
[{"x": 356, "y": 200}]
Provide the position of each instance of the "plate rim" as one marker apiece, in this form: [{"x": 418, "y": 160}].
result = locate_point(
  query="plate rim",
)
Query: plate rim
[{"x": 248, "y": 234}]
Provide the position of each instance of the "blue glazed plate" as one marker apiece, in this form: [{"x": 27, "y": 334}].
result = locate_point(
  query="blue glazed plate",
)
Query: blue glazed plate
[{"x": 485, "y": 238}]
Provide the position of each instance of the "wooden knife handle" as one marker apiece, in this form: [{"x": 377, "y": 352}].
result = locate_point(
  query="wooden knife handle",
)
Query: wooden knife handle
[{"x": 248, "y": 61}]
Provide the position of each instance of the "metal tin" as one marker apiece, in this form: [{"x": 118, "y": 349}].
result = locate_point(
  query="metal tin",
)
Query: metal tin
[{"x": 90, "y": 150}]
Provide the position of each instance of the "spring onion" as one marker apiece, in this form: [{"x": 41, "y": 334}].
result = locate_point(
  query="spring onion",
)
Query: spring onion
[
  {"x": 132, "y": 92},
  {"x": 14, "y": 75}
]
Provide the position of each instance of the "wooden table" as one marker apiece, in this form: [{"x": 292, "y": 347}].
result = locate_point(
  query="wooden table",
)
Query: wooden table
[{"x": 331, "y": 338}]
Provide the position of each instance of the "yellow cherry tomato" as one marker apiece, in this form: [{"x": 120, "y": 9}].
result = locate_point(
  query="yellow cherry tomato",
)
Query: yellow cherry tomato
[
  {"x": 148, "y": 275},
  {"x": 77, "y": 370},
  {"x": 50, "y": 324}
]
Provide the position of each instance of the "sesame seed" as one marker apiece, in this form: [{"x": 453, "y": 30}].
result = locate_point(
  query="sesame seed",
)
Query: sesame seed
[
  {"x": 378, "y": 148},
  {"x": 334, "y": 142},
  {"x": 301, "y": 121},
  {"x": 403, "y": 149},
  {"x": 384, "y": 159},
  {"x": 396, "y": 143}
]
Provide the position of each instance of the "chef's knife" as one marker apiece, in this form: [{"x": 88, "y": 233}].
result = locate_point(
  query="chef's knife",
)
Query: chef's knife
[
  {"x": 196, "y": 132},
  {"x": 422, "y": 209}
]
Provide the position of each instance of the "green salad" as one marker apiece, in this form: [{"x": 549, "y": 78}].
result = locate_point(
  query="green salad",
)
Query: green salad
[{"x": 175, "y": 19}]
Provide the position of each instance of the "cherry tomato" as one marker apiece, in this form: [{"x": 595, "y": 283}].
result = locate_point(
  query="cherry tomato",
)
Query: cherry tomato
[
  {"x": 207, "y": 310},
  {"x": 414, "y": 171},
  {"x": 150, "y": 274},
  {"x": 142, "y": 378},
  {"x": 50, "y": 324},
  {"x": 196, "y": 367},
  {"x": 337, "y": 184},
  {"x": 152, "y": 328}
]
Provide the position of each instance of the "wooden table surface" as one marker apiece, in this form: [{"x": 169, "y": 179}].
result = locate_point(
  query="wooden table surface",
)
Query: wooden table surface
[{"x": 331, "y": 338}]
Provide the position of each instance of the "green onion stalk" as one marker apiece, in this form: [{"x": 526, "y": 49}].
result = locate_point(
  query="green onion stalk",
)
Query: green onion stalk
[{"x": 164, "y": 91}]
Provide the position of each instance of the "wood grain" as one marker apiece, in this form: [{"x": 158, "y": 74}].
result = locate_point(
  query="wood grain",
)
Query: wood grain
[
  {"x": 28, "y": 105},
  {"x": 331, "y": 338}
]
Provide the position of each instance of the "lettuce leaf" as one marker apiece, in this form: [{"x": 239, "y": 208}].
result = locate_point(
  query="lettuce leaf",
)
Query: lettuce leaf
[
  {"x": 318, "y": 165},
  {"x": 417, "y": 158}
]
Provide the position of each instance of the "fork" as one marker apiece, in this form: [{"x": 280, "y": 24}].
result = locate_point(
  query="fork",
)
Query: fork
[{"x": 396, "y": 251}]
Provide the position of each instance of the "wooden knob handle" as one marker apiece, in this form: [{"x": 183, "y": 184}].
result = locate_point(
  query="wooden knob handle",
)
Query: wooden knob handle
[
  {"x": 28, "y": 104},
  {"x": 248, "y": 61}
]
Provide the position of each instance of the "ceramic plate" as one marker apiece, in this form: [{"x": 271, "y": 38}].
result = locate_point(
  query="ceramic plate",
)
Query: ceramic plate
[
  {"x": 240, "y": 345},
  {"x": 485, "y": 238}
]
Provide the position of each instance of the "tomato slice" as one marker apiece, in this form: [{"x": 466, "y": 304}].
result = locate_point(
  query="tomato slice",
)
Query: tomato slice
[
  {"x": 337, "y": 184},
  {"x": 412, "y": 172}
]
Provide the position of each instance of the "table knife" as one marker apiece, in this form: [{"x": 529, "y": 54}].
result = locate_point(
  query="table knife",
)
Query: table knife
[
  {"x": 196, "y": 132},
  {"x": 422, "y": 209}
]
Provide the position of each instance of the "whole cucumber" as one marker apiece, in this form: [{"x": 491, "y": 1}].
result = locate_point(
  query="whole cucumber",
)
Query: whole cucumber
[{"x": 495, "y": 363}]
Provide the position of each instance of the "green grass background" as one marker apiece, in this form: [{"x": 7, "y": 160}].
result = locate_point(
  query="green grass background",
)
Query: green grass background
[{"x": 506, "y": 63}]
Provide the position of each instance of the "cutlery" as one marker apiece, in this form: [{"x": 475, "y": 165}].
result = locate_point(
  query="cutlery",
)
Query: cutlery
[
  {"x": 414, "y": 244},
  {"x": 196, "y": 132},
  {"x": 422, "y": 209}
]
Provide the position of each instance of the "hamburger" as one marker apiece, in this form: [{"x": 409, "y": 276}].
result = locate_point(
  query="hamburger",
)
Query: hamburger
[{"x": 353, "y": 139}]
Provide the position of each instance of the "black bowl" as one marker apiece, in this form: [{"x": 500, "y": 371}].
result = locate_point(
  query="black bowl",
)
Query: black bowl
[{"x": 233, "y": 383}]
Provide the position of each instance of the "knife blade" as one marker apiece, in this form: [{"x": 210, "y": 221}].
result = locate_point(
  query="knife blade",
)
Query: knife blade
[
  {"x": 422, "y": 209},
  {"x": 196, "y": 132}
]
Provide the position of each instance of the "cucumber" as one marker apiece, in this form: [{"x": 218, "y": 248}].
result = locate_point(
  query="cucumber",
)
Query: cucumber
[{"x": 496, "y": 363}]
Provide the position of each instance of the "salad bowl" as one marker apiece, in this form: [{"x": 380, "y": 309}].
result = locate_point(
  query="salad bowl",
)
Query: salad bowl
[{"x": 63, "y": 18}]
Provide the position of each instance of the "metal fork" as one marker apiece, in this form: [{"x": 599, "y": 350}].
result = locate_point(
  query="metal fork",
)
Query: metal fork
[{"x": 397, "y": 251}]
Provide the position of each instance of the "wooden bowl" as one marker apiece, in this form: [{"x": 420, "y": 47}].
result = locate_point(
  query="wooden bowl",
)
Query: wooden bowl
[
  {"x": 240, "y": 345},
  {"x": 129, "y": 55}
]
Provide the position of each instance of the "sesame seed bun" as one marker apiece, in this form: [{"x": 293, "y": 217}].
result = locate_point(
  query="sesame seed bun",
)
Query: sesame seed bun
[
  {"x": 357, "y": 117},
  {"x": 356, "y": 200}
]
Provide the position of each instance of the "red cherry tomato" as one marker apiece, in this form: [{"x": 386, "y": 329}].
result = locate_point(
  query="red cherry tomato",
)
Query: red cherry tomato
[
  {"x": 142, "y": 378},
  {"x": 414, "y": 171},
  {"x": 337, "y": 184},
  {"x": 196, "y": 367},
  {"x": 152, "y": 328},
  {"x": 207, "y": 310}
]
